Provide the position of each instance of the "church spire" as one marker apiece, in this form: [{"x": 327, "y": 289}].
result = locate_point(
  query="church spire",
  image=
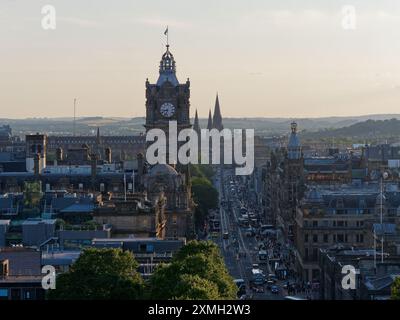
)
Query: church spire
[
  {"x": 209, "y": 123},
  {"x": 217, "y": 118},
  {"x": 196, "y": 125}
]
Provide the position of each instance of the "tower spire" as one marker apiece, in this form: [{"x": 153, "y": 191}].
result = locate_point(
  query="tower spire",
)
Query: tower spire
[
  {"x": 209, "y": 123},
  {"x": 196, "y": 125},
  {"x": 217, "y": 118}
]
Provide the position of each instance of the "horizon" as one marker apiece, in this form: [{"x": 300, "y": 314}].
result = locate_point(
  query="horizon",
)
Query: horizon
[
  {"x": 294, "y": 60},
  {"x": 84, "y": 117}
]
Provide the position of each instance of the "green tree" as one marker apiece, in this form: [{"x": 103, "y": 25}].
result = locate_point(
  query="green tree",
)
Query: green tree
[
  {"x": 396, "y": 289},
  {"x": 197, "y": 272},
  {"x": 191, "y": 287},
  {"x": 205, "y": 196},
  {"x": 100, "y": 274},
  {"x": 32, "y": 195}
]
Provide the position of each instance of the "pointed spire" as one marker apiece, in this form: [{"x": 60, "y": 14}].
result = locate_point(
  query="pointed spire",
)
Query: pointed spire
[
  {"x": 210, "y": 123},
  {"x": 98, "y": 143},
  {"x": 196, "y": 125},
  {"x": 98, "y": 135},
  {"x": 217, "y": 118}
]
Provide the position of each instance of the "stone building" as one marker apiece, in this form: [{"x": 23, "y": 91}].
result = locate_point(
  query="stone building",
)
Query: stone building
[
  {"x": 168, "y": 100},
  {"x": 342, "y": 215},
  {"x": 135, "y": 216}
]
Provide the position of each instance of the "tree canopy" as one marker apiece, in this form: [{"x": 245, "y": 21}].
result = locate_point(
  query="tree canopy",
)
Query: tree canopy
[
  {"x": 100, "y": 274},
  {"x": 196, "y": 272},
  {"x": 396, "y": 289}
]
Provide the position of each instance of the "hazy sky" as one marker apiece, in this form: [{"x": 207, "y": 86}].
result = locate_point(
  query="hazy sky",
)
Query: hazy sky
[{"x": 268, "y": 58}]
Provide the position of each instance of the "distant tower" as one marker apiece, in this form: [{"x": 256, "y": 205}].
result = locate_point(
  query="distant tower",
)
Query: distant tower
[
  {"x": 209, "y": 123},
  {"x": 196, "y": 125},
  {"x": 293, "y": 184},
  {"x": 294, "y": 146},
  {"x": 98, "y": 144},
  {"x": 36, "y": 150},
  {"x": 217, "y": 118}
]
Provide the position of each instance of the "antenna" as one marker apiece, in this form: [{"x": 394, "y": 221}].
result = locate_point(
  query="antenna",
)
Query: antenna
[{"x": 74, "y": 117}]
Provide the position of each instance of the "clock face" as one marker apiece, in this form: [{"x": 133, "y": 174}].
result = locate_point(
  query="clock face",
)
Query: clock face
[{"x": 167, "y": 109}]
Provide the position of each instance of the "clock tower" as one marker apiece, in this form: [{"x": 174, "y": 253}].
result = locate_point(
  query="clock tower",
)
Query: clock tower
[{"x": 167, "y": 99}]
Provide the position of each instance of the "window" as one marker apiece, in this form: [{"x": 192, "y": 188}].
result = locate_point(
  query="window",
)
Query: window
[
  {"x": 315, "y": 238},
  {"x": 340, "y": 238},
  {"x": 306, "y": 237},
  {"x": 174, "y": 219},
  {"x": 315, "y": 223},
  {"x": 326, "y": 238},
  {"x": 360, "y": 238}
]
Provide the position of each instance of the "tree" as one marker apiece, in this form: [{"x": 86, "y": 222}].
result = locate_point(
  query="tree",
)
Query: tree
[
  {"x": 196, "y": 272},
  {"x": 205, "y": 196},
  {"x": 396, "y": 289},
  {"x": 192, "y": 287},
  {"x": 100, "y": 274},
  {"x": 32, "y": 195}
]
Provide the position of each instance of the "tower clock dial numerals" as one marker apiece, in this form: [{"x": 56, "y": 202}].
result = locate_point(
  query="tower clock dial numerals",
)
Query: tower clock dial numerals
[{"x": 167, "y": 109}]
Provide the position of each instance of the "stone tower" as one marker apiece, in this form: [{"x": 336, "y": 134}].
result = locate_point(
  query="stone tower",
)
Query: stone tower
[{"x": 167, "y": 99}]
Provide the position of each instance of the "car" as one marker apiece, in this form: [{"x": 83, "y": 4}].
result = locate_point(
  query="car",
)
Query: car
[
  {"x": 270, "y": 283},
  {"x": 250, "y": 232},
  {"x": 225, "y": 235},
  {"x": 274, "y": 289}
]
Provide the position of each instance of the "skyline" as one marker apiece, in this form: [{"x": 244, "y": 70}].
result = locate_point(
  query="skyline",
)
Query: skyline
[{"x": 292, "y": 60}]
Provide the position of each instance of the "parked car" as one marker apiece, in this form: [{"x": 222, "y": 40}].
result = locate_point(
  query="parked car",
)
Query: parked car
[{"x": 225, "y": 235}]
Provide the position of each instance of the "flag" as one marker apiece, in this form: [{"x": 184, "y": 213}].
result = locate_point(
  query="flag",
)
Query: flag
[{"x": 166, "y": 31}]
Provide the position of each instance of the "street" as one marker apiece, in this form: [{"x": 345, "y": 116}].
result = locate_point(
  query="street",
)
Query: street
[{"x": 239, "y": 248}]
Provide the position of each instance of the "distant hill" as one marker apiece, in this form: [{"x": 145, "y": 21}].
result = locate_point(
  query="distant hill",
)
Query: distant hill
[
  {"x": 326, "y": 126},
  {"x": 366, "y": 130}
]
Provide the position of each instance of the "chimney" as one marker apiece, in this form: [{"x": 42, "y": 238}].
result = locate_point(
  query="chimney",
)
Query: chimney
[{"x": 108, "y": 154}]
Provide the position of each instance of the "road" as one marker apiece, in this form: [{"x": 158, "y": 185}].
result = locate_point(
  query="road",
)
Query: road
[{"x": 239, "y": 251}]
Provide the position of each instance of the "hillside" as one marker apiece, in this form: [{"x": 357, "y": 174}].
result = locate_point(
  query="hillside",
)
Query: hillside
[{"x": 369, "y": 130}]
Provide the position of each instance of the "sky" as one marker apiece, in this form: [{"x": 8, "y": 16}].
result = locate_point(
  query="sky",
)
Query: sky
[{"x": 265, "y": 58}]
